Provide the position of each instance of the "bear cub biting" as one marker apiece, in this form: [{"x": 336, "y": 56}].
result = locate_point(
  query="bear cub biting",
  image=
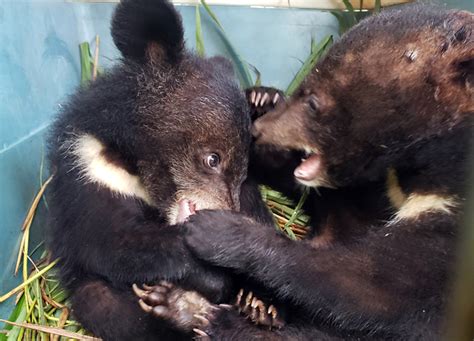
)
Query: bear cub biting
[
  {"x": 384, "y": 126},
  {"x": 160, "y": 136}
]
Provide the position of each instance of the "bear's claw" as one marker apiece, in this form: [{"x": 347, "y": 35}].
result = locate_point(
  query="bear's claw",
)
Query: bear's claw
[
  {"x": 262, "y": 100},
  {"x": 257, "y": 311},
  {"x": 187, "y": 310}
]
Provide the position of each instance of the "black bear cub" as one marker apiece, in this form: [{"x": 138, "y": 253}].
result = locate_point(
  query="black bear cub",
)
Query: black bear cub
[
  {"x": 384, "y": 126},
  {"x": 162, "y": 135}
]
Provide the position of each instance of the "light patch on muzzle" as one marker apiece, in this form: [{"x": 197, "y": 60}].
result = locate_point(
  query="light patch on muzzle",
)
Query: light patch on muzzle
[
  {"x": 94, "y": 167},
  {"x": 196, "y": 200}
]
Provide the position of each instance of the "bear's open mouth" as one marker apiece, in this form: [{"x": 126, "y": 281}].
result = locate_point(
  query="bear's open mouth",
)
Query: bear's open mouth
[
  {"x": 310, "y": 167},
  {"x": 186, "y": 208}
]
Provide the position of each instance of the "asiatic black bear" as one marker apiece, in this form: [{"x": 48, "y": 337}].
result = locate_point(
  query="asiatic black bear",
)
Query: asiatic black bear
[
  {"x": 384, "y": 125},
  {"x": 160, "y": 136}
]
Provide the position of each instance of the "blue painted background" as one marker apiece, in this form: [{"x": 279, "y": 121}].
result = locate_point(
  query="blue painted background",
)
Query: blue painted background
[{"x": 39, "y": 67}]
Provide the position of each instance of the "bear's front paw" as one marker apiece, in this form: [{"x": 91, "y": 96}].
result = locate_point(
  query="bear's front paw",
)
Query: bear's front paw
[
  {"x": 186, "y": 310},
  {"x": 220, "y": 237},
  {"x": 262, "y": 100}
]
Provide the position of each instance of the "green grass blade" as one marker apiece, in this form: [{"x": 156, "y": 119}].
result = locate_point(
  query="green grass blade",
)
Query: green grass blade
[
  {"x": 242, "y": 69},
  {"x": 86, "y": 63},
  {"x": 18, "y": 315},
  {"x": 317, "y": 51},
  {"x": 296, "y": 213},
  {"x": 258, "y": 75},
  {"x": 199, "y": 38},
  {"x": 378, "y": 6},
  {"x": 41, "y": 318},
  {"x": 212, "y": 15},
  {"x": 351, "y": 11}
]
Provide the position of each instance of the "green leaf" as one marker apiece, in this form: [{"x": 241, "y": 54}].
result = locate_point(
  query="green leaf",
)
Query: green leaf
[
  {"x": 241, "y": 66},
  {"x": 18, "y": 315},
  {"x": 258, "y": 79},
  {"x": 317, "y": 50},
  {"x": 296, "y": 213},
  {"x": 378, "y": 6},
  {"x": 86, "y": 63},
  {"x": 37, "y": 292},
  {"x": 199, "y": 38},
  {"x": 350, "y": 9}
]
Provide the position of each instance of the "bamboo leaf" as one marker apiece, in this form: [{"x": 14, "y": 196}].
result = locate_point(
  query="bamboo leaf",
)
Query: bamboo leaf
[
  {"x": 37, "y": 292},
  {"x": 52, "y": 330},
  {"x": 317, "y": 51},
  {"x": 350, "y": 10},
  {"x": 378, "y": 6},
  {"x": 18, "y": 314},
  {"x": 258, "y": 79},
  {"x": 28, "y": 281},
  {"x": 34, "y": 205},
  {"x": 199, "y": 37},
  {"x": 296, "y": 213},
  {"x": 95, "y": 61},
  {"x": 86, "y": 63}
]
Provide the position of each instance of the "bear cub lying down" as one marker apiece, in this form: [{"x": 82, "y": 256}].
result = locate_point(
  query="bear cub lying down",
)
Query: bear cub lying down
[
  {"x": 160, "y": 136},
  {"x": 384, "y": 126}
]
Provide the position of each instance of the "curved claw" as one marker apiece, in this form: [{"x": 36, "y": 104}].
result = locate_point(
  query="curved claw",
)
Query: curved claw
[
  {"x": 252, "y": 96},
  {"x": 224, "y": 306},
  {"x": 145, "y": 306},
  {"x": 139, "y": 292},
  {"x": 272, "y": 311},
  {"x": 257, "y": 100},
  {"x": 264, "y": 99},
  {"x": 200, "y": 332},
  {"x": 201, "y": 318},
  {"x": 276, "y": 98}
]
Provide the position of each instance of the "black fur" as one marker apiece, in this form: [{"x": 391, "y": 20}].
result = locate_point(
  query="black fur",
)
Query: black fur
[
  {"x": 157, "y": 115},
  {"x": 395, "y": 94}
]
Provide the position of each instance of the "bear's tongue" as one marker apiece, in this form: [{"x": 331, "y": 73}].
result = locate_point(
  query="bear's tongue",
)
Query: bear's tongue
[
  {"x": 186, "y": 208},
  {"x": 309, "y": 168}
]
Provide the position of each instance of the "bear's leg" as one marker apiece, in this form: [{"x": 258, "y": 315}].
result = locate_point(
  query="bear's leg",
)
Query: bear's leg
[{"x": 114, "y": 314}]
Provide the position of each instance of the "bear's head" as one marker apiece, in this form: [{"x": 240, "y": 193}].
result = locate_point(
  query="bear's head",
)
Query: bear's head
[
  {"x": 164, "y": 126},
  {"x": 393, "y": 84}
]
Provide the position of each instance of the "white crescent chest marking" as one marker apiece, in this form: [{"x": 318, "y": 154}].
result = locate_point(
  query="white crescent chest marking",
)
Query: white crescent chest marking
[
  {"x": 413, "y": 205},
  {"x": 95, "y": 168}
]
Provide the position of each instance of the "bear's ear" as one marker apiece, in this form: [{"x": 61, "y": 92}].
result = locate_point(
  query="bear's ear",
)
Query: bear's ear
[
  {"x": 464, "y": 67},
  {"x": 461, "y": 68},
  {"x": 148, "y": 31}
]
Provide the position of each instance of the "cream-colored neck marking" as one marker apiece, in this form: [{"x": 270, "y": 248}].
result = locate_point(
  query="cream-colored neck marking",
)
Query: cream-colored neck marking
[
  {"x": 411, "y": 206},
  {"x": 394, "y": 191},
  {"x": 95, "y": 168}
]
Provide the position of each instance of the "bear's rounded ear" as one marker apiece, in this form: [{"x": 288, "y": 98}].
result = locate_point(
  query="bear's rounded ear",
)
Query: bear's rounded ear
[
  {"x": 148, "y": 31},
  {"x": 465, "y": 71}
]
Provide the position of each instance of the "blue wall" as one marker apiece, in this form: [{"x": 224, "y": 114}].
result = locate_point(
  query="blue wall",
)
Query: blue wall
[{"x": 39, "y": 66}]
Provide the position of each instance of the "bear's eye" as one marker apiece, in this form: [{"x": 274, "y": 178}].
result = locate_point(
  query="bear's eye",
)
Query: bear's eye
[
  {"x": 313, "y": 103},
  {"x": 212, "y": 160}
]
